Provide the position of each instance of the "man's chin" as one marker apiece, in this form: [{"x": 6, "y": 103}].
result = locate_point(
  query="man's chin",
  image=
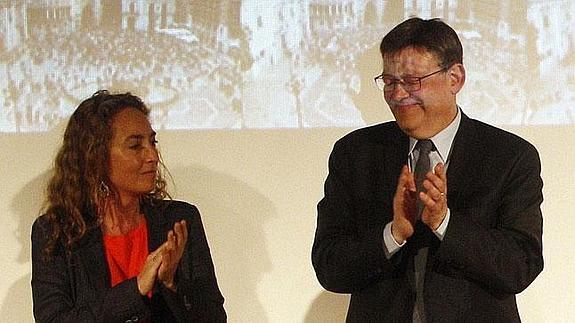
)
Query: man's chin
[
  {"x": 406, "y": 109},
  {"x": 407, "y": 118},
  {"x": 409, "y": 127}
]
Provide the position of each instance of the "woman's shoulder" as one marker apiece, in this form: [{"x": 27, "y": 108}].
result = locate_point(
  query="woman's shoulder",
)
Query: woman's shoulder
[
  {"x": 176, "y": 209},
  {"x": 177, "y": 205},
  {"x": 43, "y": 226},
  {"x": 42, "y": 231}
]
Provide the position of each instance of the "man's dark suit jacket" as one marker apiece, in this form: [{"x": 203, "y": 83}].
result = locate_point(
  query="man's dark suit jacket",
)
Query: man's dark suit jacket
[
  {"x": 77, "y": 288},
  {"x": 490, "y": 252}
]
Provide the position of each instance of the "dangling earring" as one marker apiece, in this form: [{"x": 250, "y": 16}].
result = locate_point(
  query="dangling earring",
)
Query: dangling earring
[
  {"x": 103, "y": 190},
  {"x": 159, "y": 189}
]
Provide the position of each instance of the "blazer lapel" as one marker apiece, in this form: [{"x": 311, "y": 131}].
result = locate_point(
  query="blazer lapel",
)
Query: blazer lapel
[
  {"x": 465, "y": 153},
  {"x": 90, "y": 253},
  {"x": 157, "y": 226},
  {"x": 394, "y": 151}
]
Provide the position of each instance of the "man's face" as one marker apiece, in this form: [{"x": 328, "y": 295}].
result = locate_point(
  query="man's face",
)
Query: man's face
[{"x": 424, "y": 112}]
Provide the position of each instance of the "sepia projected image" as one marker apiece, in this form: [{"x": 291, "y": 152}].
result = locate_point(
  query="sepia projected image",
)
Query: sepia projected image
[{"x": 240, "y": 64}]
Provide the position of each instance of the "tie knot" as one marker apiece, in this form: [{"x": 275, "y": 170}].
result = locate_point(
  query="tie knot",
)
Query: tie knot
[{"x": 424, "y": 146}]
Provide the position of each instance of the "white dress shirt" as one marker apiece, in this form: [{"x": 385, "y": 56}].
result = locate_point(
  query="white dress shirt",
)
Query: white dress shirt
[{"x": 442, "y": 142}]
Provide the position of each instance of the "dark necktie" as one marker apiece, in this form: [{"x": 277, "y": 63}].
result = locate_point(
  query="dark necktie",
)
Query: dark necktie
[{"x": 422, "y": 167}]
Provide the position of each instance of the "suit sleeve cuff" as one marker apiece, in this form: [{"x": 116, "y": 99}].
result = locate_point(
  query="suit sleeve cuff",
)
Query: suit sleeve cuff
[
  {"x": 390, "y": 246},
  {"x": 440, "y": 232}
]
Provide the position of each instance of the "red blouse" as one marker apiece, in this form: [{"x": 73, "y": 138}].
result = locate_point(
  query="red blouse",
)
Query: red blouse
[{"x": 126, "y": 254}]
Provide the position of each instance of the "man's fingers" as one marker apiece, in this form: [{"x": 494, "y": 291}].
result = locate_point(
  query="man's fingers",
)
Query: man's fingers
[
  {"x": 440, "y": 171},
  {"x": 405, "y": 181}
]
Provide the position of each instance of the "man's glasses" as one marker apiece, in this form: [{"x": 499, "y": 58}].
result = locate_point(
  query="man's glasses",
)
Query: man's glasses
[{"x": 388, "y": 83}]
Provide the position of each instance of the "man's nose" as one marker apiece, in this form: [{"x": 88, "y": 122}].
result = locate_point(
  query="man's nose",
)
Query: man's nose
[{"x": 398, "y": 92}]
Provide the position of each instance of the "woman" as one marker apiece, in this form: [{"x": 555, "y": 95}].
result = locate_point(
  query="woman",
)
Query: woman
[{"x": 109, "y": 248}]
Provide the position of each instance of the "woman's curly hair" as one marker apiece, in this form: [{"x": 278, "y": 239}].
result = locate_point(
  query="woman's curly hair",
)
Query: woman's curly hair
[{"x": 76, "y": 189}]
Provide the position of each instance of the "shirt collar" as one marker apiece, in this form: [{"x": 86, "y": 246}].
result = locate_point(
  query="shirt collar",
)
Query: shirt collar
[{"x": 444, "y": 139}]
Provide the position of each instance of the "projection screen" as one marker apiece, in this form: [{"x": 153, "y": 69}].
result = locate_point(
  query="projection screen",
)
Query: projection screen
[{"x": 271, "y": 64}]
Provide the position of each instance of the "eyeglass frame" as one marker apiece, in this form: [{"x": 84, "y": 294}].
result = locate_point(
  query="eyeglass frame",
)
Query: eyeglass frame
[{"x": 401, "y": 80}]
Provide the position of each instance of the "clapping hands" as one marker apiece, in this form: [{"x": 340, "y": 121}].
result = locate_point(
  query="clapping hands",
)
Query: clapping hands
[{"x": 161, "y": 264}]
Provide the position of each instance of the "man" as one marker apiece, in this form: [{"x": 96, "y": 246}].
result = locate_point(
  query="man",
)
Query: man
[{"x": 454, "y": 244}]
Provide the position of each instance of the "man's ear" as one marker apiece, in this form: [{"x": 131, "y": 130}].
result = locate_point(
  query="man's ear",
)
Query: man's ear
[{"x": 457, "y": 77}]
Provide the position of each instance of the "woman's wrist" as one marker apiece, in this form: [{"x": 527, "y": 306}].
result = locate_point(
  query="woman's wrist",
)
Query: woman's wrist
[{"x": 170, "y": 285}]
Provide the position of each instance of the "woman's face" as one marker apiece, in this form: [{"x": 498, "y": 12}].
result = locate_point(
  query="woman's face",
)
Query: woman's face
[{"x": 133, "y": 160}]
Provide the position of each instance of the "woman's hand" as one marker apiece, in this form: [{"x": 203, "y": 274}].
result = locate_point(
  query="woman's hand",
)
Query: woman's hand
[
  {"x": 149, "y": 273},
  {"x": 171, "y": 255}
]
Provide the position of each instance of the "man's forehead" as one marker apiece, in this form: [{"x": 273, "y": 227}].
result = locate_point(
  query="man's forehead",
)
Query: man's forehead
[
  {"x": 410, "y": 56},
  {"x": 410, "y": 52}
]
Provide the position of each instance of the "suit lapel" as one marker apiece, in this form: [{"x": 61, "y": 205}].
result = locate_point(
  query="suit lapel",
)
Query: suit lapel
[
  {"x": 157, "y": 226},
  {"x": 90, "y": 253},
  {"x": 465, "y": 152},
  {"x": 394, "y": 151}
]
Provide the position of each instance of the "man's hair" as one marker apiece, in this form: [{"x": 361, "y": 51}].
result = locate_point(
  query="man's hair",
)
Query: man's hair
[{"x": 432, "y": 35}]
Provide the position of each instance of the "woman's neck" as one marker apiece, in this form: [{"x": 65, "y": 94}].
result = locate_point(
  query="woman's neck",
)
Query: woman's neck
[{"x": 121, "y": 216}]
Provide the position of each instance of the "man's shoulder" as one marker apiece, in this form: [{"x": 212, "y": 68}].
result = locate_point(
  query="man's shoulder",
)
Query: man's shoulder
[
  {"x": 494, "y": 136},
  {"x": 376, "y": 133}
]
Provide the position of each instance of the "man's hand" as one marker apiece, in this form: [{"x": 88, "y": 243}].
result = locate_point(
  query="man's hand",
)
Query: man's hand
[
  {"x": 404, "y": 207},
  {"x": 434, "y": 198}
]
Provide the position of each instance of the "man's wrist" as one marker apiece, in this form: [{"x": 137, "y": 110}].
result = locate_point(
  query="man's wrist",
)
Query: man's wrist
[
  {"x": 400, "y": 240},
  {"x": 442, "y": 228}
]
